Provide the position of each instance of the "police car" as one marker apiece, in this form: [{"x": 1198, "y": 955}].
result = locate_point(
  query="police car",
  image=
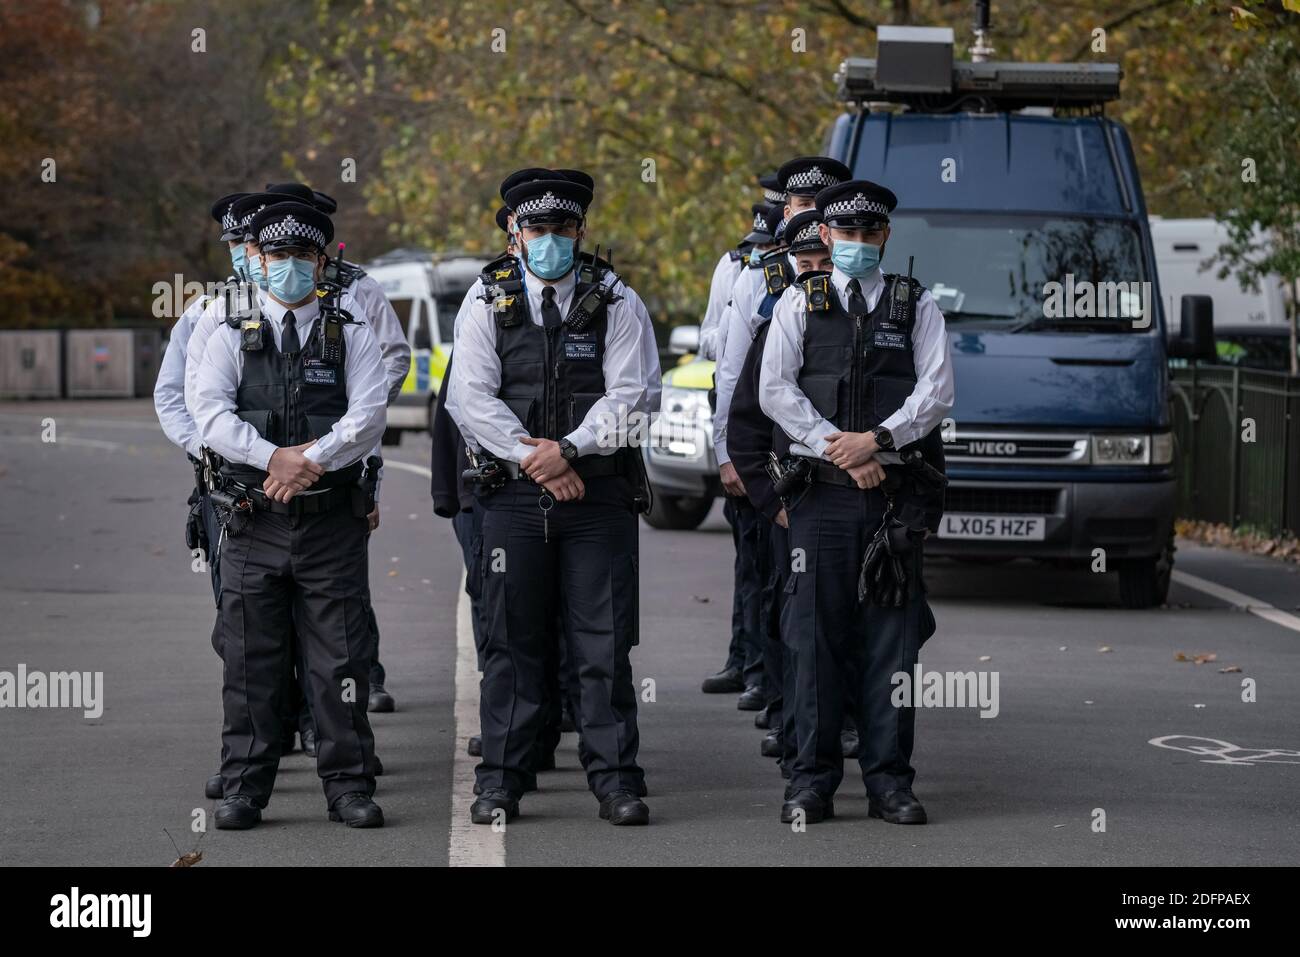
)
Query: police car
[
  {"x": 425, "y": 289},
  {"x": 679, "y": 458}
]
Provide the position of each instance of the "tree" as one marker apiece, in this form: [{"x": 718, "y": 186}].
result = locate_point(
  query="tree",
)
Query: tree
[{"x": 1252, "y": 178}]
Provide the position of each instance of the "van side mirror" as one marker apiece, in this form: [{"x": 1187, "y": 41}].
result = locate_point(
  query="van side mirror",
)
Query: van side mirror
[
  {"x": 1196, "y": 337},
  {"x": 684, "y": 340}
]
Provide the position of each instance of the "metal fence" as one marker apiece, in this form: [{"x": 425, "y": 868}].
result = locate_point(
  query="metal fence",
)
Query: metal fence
[{"x": 1226, "y": 474}]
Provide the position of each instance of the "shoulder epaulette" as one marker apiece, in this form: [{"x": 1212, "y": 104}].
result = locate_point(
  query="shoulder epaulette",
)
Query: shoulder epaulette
[
  {"x": 817, "y": 292},
  {"x": 349, "y": 272}
]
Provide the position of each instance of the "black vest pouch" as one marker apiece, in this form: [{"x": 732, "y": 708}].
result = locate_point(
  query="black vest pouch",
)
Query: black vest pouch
[{"x": 261, "y": 419}]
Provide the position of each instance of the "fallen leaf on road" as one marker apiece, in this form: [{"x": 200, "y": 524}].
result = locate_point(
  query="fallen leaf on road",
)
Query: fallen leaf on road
[
  {"x": 701, "y": 598},
  {"x": 1198, "y": 706},
  {"x": 1089, "y": 702},
  {"x": 985, "y": 657},
  {"x": 1103, "y": 649},
  {"x": 393, "y": 573},
  {"x": 1065, "y": 647},
  {"x": 1200, "y": 658},
  {"x": 1230, "y": 670}
]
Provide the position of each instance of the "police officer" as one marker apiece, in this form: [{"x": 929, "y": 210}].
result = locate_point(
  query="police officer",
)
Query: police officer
[
  {"x": 292, "y": 400},
  {"x": 371, "y": 305},
  {"x": 174, "y": 415},
  {"x": 769, "y": 275},
  {"x": 750, "y": 444},
  {"x": 840, "y": 420},
  {"x": 744, "y": 659},
  {"x": 561, "y": 706},
  {"x": 549, "y": 369}
]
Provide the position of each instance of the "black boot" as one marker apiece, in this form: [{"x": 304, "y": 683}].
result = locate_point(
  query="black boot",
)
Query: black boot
[
  {"x": 355, "y": 809},
  {"x": 624, "y": 808},
  {"x": 726, "y": 681},
  {"x": 237, "y": 813}
]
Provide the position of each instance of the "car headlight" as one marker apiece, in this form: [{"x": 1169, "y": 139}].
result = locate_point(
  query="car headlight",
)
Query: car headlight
[
  {"x": 1157, "y": 449},
  {"x": 684, "y": 406}
]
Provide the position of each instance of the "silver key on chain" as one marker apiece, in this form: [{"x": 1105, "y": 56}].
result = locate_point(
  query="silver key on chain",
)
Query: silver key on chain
[{"x": 546, "y": 503}]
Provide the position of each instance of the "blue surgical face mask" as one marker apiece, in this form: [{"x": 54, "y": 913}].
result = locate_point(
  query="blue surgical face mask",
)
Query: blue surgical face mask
[
  {"x": 854, "y": 259},
  {"x": 255, "y": 272},
  {"x": 239, "y": 259},
  {"x": 550, "y": 256},
  {"x": 291, "y": 279}
]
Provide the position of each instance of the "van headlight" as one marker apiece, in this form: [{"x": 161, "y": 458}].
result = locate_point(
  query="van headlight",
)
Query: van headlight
[{"x": 1156, "y": 449}]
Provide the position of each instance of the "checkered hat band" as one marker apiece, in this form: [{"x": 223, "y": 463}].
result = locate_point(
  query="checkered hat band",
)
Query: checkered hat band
[
  {"x": 772, "y": 196},
  {"x": 760, "y": 223},
  {"x": 549, "y": 202},
  {"x": 244, "y": 223},
  {"x": 812, "y": 177},
  {"x": 228, "y": 218},
  {"x": 857, "y": 205},
  {"x": 290, "y": 228},
  {"x": 808, "y": 233}
]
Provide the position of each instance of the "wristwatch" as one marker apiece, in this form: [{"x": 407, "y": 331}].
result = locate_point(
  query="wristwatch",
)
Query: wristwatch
[
  {"x": 568, "y": 450},
  {"x": 884, "y": 438}
]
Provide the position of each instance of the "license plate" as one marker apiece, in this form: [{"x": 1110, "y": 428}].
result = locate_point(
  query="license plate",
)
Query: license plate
[{"x": 1029, "y": 528}]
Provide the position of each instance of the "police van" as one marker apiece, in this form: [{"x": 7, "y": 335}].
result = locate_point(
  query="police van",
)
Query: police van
[
  {"x": 1014, "y": 186},
  {"x": 425, "y": 289}
]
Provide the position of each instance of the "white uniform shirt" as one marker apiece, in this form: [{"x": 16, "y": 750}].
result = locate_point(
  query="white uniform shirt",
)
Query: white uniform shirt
[
  {"x": 739, "y": 322},
  {"x": 169, "y": 391},
  {"x": 785, "y": 403},
  {"x": 352, "y": 438},
  {"x": 649, "y": 350},
  {"x": 476, "y": 376},
  {"x": 370, "y": 305},
  {"x": 213, "y": 316},
  {"x": 724, "y": 277}
]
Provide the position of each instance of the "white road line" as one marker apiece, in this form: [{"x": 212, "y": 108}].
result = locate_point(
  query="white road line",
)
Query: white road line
[
  {"x": 1255, "y": 606},
  {"x": 468, "y": 844},
  {"x": 148, "y": 424},
  {"x": 66, "y": 440}
]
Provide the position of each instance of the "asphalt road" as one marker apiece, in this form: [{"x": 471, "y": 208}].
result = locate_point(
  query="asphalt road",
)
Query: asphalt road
[{"x": 94, "y": 576}]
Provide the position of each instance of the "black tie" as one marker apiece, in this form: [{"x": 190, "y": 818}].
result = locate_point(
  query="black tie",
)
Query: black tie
[
  {"x": 289, "y": 343},
  {"x": 857, "y": 302},
  {"x": 550, "y": 311}
]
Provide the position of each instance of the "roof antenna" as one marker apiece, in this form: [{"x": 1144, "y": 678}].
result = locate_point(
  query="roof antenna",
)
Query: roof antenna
[{"x": 982, "y": 48}]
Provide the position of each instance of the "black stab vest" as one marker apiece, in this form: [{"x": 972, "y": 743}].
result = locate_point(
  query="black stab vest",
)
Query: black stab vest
[
  {"x": 292, "y": 400},
  {"x": 857, "y": 373},
  {"x": 550, "y": 378}
]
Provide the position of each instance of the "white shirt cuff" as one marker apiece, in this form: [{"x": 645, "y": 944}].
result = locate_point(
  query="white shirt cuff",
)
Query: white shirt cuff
[{"x": 260, "y": 454}]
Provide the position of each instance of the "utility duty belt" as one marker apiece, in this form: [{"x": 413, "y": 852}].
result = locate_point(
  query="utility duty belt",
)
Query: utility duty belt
[
  {"x": 308, "y": 503},
  {"x": 490, "y": 473}
]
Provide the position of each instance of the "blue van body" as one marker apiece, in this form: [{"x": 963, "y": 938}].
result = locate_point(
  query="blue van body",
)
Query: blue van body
[{"x": 1032, "y": 404}]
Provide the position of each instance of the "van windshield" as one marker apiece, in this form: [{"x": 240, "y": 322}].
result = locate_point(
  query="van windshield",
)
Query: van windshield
[{"x": 1022, "y": 273}]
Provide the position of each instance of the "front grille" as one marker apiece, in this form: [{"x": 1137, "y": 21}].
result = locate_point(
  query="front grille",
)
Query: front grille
[
  {"x": 1001, "y": 501},
  {"x": 1016, "y": 447}
]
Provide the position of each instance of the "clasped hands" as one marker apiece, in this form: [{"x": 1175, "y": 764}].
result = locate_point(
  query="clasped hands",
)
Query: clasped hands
[
  {"x": 548, "y": 467},
  {"x": 855, "y": 452},
  {"x": 290, "y": 472}
]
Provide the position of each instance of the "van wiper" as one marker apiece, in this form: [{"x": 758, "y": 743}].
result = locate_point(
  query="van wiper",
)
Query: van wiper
[
  {"x": 1092, "y": 325},
  {"x": 956, "y": 316}
]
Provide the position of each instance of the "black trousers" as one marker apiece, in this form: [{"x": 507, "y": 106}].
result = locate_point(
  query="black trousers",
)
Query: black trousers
[
  {"x": 843, "y": 653},
  {"x": 579, "y": 563},
  {"x": 468, "y": 526},
  {"x": 749, "y": 534},
  {"x": 301, "y": 575},
  {"x": 777, "y": 672}
]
